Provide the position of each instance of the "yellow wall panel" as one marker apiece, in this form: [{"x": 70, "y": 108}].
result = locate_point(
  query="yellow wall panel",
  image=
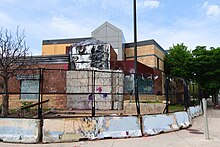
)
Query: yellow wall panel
[
  {"x": 54, "y": 49},
  {"x": 141, "y": 50},
  {"x": 148, "y": 60}
]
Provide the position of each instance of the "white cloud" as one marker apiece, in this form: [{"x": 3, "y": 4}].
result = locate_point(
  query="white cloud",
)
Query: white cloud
[
  {"x": 211, "y": 9},
  {"x": 186, "y": 31},
  {"x": 78, "y": 18},
  {"x": 60, "y": 26},
  {"x": 151, "y": 4}
]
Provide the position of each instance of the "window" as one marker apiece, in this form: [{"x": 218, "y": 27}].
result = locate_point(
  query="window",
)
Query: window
[
  {"x": 29, "y": 86},
  {"x": 158, "y": 63}
]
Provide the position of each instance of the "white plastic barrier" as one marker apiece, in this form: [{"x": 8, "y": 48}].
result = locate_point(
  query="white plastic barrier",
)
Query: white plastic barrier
[
  {"x": 155, "y": 124},
  {"x": 75, "y": 129},
  {"x": 182, "y": 119},
  {"x": 19, "y": 130}
]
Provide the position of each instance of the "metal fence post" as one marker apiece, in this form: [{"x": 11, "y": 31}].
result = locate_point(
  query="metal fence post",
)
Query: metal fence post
[
  {"x": 93, "y": 93},
  {"x": 167, "y": 93},
  {"x": 113, "y": 95},
  {"x": 185, "y": 95},
  {"x": 40, "y": 94},
  {"x": 40, "y": 104}
]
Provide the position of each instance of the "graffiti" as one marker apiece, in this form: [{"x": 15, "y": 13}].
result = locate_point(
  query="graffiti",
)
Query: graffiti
[
  {"x": 90, "y": 97},
  {"x": 106, "y": 88},
  {"x": 105, "y": 95},
  {"x": 91, "y": 53},
  {"x": 92, "y": 127},
  {"x": 99, "y": 89}
]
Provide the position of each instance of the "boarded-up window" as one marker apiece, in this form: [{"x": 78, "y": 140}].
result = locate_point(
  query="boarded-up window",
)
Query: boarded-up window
[
  {"x": 145, "y": 85},
  {"x": 28, "y": 87}
]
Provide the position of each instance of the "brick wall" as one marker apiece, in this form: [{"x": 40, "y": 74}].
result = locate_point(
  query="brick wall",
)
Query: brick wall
[
  {"x": 146, "y": 97},
  {"x": 57, "y": 101},
  {"x": 141, "y": 50},
  {"x": 147, "y": 55},
  {"x": 150, "y": 55},
  {"x": 54, "y": 86}
]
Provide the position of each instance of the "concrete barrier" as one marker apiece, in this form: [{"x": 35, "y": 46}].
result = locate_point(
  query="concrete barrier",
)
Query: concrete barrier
[
  {"x": 182, "y": 119},
  {"x": 19, "y": 130},
  {"x": 155, "y": 124},
  {"x": 121, "y": 127},
  {"x": 194, "y": 111},
  {"x": 75, "y": 129}
]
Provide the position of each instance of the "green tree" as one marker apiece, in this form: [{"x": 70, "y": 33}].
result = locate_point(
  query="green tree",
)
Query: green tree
[
  {"x": 178, "y": 62},
  {"x": 201, "y": 66},
  {"x": 206, "y": 68}
]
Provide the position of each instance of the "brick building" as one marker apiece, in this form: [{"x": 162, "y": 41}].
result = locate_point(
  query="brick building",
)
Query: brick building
[
  {"x": 56, "y": 61},
  {"x": 25, "y": 85},
  {"x": 149, "y": 53},
  {"x": 46, "y": 78}
]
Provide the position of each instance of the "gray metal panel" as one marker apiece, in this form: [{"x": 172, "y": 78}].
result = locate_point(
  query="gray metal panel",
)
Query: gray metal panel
[
  {"x": 99, "y": 28},
  {"x": 48, "y": 59},
  {"x": 101, "y": 33},
  {"x": 104, "y": 25},
  {"x": 114, "y": 44},
  {"x": 110, "y": 34},
  {"x": 101, "y": 39},
  {"x": 113, "y": 39}
]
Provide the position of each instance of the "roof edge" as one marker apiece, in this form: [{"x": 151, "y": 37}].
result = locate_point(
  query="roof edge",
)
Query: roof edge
[
  {"x": 145, "y": 42},
  {"x": 64, "y": 41},
  {"x": 106, "y": 23}
]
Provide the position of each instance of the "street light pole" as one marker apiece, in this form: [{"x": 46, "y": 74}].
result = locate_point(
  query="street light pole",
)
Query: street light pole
[{"x": 135, "y": 62}]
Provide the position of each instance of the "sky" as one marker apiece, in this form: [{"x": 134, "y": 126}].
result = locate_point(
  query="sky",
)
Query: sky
[{"x": 168, "y": 22}]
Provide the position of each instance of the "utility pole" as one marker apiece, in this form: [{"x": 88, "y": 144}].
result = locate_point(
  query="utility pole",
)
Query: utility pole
[{"x": 135, "y": 62}]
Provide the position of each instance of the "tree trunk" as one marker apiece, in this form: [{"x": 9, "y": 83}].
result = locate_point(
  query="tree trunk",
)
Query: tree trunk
[{"x": 5, "y": 99}]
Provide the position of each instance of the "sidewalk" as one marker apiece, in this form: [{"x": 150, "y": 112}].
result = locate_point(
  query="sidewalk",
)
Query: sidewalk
[{"x": 191, "y": 137}]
